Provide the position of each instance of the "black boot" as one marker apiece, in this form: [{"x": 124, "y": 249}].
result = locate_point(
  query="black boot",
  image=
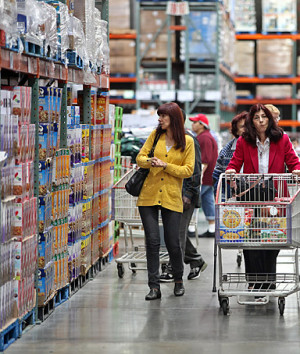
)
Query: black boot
[
  {"x": 153, "y": 294},
  {"x": 179, "y": 289}
]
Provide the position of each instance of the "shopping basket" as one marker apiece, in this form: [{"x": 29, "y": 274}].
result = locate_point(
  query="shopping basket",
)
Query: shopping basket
[
  {"x": 124, "y": 210},
  {"x": 255, "y": 211}
]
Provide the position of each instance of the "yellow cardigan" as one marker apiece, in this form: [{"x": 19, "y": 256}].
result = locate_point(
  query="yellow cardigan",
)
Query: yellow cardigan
[{"x": 164, "y": 187}]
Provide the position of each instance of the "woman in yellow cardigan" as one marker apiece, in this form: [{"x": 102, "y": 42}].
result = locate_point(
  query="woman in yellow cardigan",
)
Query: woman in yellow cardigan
[{"x": 173, "y": 160}]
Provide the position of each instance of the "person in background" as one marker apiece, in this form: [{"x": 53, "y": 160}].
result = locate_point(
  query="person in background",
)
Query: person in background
[
  {"x": 296, "y": 145},
  {"x": 276, "y": 114},
  {"x": 275, "y": 111},
  {"x": 174, "y": 159},
  {"x": 263, "y": 148},
  {"x": 209, "y": 155},
  {"x": 191, "y": 200},
  {"x": 225, "y": 155}
]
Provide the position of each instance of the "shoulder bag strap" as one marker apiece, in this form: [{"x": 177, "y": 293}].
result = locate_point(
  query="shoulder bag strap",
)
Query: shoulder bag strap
[{"x": 151, "y": 153}]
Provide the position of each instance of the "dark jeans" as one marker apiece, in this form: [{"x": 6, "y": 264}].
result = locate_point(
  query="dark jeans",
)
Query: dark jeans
[
  {"x": 260, "y": 266},
  {"x": 171, "y": 223},
  {"x": 191, "y": 255}
]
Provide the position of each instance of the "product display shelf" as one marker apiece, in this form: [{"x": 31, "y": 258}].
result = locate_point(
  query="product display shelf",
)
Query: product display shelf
[
  {"x": 288, "y": 105},
  {"x": 31, "y": 69},
  {"x": 184, "y": 64}
]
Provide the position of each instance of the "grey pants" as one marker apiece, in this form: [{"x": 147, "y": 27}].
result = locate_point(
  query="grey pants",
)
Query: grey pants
[{"x": 171, "y": 223}]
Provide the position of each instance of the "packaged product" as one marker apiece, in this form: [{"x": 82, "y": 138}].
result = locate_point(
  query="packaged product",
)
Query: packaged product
[
  {"x": 45, "y": 104},
  {"x": 102, "y": 110},
  {"x": 232, "y": 224},
  {"x": 45, "y": 212},
  {"x": 20, "y": 179},
  {"x": 44, "y": 144}
]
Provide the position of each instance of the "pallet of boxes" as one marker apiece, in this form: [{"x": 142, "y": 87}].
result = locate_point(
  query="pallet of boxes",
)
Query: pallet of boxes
[{"x": 122, "y": 51}]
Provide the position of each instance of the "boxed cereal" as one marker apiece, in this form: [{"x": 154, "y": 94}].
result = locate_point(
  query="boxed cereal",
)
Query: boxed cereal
[{"x": 232, "y": 224}]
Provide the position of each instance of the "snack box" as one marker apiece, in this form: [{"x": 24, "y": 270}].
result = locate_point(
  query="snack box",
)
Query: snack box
[{"x": 232, "y": 224}]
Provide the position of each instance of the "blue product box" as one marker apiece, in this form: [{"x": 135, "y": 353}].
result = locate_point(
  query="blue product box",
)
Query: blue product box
[
  {"x": 44, "y": 138},
  {"x": 203, "y": 35},
  {"x": 43, "y": 177},
  {"x": 45, "y": 104}
]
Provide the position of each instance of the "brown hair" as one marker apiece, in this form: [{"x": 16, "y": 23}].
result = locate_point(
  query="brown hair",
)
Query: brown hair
[
  {"x": 273, "y": 132},
  {"x": 234, "y": 122},
  {"x": 176, "y": 123}
]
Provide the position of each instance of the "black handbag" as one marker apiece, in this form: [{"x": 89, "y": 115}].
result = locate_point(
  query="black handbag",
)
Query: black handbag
[
  {"x": 136, "y": 181},
  {"x": 261, "y": 190}
]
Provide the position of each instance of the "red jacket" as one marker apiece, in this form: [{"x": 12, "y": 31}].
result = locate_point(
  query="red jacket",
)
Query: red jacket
[{"x": 281, "y": 153}]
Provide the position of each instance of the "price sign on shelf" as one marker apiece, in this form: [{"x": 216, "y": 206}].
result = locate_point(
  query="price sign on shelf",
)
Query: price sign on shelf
[
  {"x": 143, "y": 95},
  {"x": 178, "y": 8},
  {"x": 213, "y": 95},
  {"x": 185, "y": 96},
  {"x": 167, "y": 96}
]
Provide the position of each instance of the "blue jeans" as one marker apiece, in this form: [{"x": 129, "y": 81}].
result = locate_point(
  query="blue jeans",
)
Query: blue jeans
[
  {"x": 208, "y": 202},
  {"x": 171, "y": 223}
]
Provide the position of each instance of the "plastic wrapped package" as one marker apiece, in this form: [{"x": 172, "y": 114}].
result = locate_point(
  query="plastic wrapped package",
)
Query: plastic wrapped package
[
  {"x": 8, "y": 14},
  {"x": 84, "y": 10},
  {"x": 63, "y": 24},
  {"x": 104, "y": 47},
  {"x": 99, "y": 56},
  {"x": 77, "y": 41},
  {"x": 49, "y": 29},
  {"x": 31, "y": 20}
]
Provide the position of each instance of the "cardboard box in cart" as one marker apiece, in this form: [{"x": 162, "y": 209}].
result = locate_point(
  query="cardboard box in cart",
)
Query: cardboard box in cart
[{"x": 232, "y": 224}]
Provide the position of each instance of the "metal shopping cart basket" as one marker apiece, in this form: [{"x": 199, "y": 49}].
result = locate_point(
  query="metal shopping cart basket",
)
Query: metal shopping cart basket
[
  {"x": 255, "y": 211},
  {"x": 125, "y": 211}
]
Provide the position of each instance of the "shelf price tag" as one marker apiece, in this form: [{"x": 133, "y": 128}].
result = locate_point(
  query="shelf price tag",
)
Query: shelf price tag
[
  {"x": 143, "y": 95},
  {"x": 185, "y": 96},
  {"x": 177, "y": 8},
  {"x": 167, "y": 95},
  {"x": 213, "y": 95}
]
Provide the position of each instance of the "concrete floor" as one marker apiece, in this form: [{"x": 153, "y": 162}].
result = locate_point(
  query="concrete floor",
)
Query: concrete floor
[{"x": 110, "y": 315}]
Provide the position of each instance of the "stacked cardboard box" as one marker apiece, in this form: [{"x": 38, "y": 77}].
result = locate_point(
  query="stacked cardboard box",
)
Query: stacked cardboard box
[
  {"x": 122, "y": 56},
  {"x": 151, "y": 23},
  {"x": 244, "y": 58},
  {"x": 274, "y": 57},
  {"x": 245, "y": 16},
  {"x": 273, "y": 91},
  {"x": 119, "y": 15},
  {"x": 279, "y": 16}
]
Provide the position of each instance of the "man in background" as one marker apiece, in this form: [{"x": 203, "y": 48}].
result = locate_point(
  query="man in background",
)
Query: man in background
[{"x": 209, "y": 155}]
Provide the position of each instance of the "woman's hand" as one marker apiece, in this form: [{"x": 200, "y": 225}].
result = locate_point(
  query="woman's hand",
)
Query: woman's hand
[
  {"x": 232, "y": 171},
  {"x": 296, "y": 172},
  {"x": 155, "y": 162}
]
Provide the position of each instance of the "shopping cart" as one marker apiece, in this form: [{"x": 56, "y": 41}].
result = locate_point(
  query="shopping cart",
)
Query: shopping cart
[
  {"x": 273, "y": 222},
  {"x": 124, "y": 210}
]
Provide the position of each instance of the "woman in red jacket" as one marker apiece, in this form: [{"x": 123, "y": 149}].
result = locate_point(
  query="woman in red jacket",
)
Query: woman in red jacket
[{"x": 263, "y": 148}]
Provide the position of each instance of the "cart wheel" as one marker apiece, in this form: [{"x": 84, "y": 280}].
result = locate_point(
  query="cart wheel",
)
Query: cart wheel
[
  {"x": 133, "y": 265},
  {"x": 121, "y": 270},
  {"x": 281, "y": 305},
  {"x": 225, "y": 306},
  {"x": 239, "y": 260}
]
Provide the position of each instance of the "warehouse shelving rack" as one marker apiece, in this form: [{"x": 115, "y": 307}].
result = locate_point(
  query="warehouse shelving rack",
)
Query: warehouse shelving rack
[
  {"x": 294, "y": 80},
  {"x": 169, "y": 69},
  {"x": 123, "y": 81}
]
